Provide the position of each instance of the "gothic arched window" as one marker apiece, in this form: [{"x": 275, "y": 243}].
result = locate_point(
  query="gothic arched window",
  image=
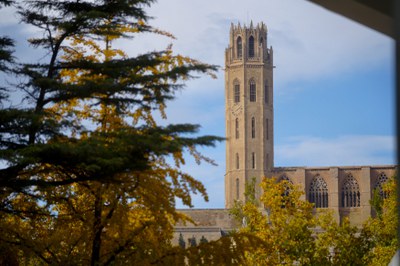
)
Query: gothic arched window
[
  {"x": 350, "y": 193},
  {"x": 237, "y": 160},
  {"x": 237, "y": 128},
  {"x": 382, "y": 179},
  {"x": 318, "y": 193},
  {"x": 266, "y": 92},
  {"x": 261, "y": 41},
  {"x": 253, "y": 128},
  {"x": 251, "y": 46},
  {"x": 239, "y": 47},
  {"x": 236, "y": 88},
  {"x": 253, "y": 160},
  {"x": 252, "y": 91}
]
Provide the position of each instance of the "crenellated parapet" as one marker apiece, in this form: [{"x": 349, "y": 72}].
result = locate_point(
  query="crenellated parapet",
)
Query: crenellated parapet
[{"x": 248, "y": 44}]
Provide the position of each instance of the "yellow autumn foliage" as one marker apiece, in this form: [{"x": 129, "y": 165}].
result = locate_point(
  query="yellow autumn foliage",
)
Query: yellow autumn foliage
[{"x": 293, "y": 232}]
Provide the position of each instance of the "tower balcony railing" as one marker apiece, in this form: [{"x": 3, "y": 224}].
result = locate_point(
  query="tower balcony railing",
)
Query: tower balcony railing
[
  {"x": 264, "y": 56},
  {"x": 254, "y": 58}
]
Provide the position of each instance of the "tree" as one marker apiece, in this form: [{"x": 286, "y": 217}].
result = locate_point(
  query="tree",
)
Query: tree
[
  {"x": 342, "y": 244},
  {"x": 381, "y": 231},
  {"x": 283, "y": 224},
  {"x": 36, "y": 140},
  {"x": 293, "y": 232},
  {"x": 87, "y": 180}
]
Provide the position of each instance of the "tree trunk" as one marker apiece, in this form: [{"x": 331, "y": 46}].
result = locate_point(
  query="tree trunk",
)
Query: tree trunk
[{"x": 97, "y": 230}]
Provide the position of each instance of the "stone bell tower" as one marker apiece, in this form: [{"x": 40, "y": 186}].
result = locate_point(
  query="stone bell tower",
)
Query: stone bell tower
[{"x": 248, "y": 109}]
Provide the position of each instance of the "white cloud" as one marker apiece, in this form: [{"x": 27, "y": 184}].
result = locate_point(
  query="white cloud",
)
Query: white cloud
[
  {"x": 8, "y": 16},
  {"x": 308, "y": 41},
  {"x": 340, "y": 151}
]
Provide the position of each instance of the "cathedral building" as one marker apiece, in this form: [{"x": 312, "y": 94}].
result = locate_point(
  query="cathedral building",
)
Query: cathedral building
[{"x": 249, "y": 118}]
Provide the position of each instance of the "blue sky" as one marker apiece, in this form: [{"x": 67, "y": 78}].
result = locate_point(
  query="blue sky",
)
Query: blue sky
[{"x": 333, "y": 81}]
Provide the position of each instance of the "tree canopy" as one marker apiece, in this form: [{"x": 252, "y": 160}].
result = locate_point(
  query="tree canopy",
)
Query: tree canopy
[
  {"x": 292, "y": 232},
  {"x": 88, "y": 175}
]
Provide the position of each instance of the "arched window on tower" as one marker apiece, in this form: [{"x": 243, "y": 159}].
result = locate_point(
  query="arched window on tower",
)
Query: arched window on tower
[
  {"x": 237, "y": 160},
  {"x": 252, "y": 90},
  {"x": 261, "y": 41},
  {"x": 266, "y": 92},
  {"x": 253, "y": 128},
  {"x": 239, "y": 47},
  {"x": 253, "y": 160},
  {"x": 237, "y": 128},
  {"x": 318, "y": 193},
  {"x": 237, "y": 189},
  {"x": 382, "y": 179},
  {"x": 251, "y": 47},
  {"x": 350, "y": 193},
  {"x": 236, "y": 88}
]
